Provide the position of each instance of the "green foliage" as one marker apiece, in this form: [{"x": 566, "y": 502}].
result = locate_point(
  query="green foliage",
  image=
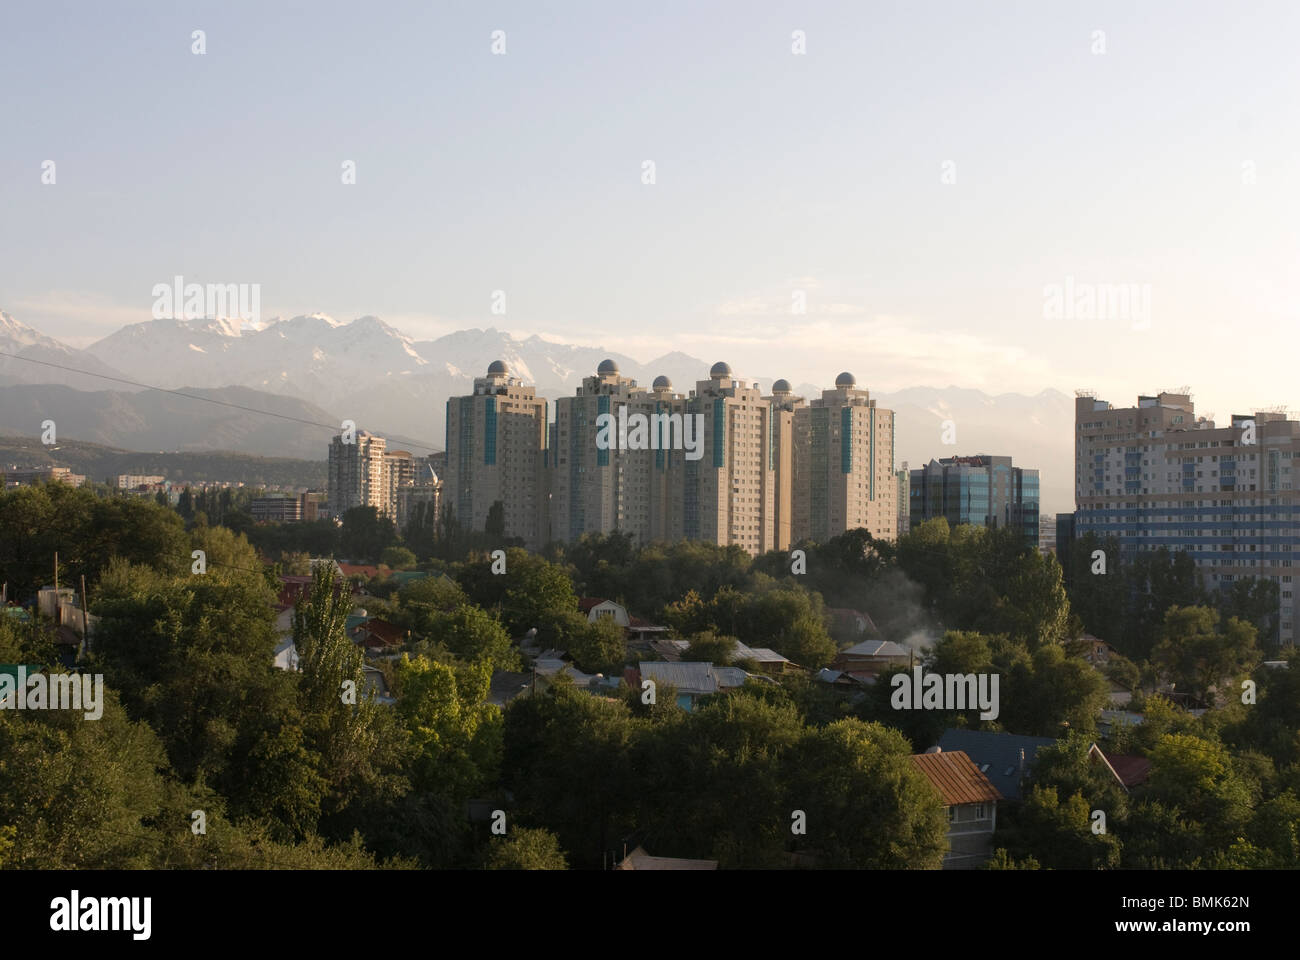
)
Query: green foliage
[
  {"x": 1198, "y": 654},
  {"x": 526, "y": 849},
  {"x": 868, "y": 806},
  {"x": 366, "y": 534},
  {"x": 599, "y": 646},
  {"x": 709, "y": 647},
  {"x": 399, "y": 558}
]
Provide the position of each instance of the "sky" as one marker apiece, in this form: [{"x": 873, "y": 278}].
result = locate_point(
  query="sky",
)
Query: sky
[{"x": 926, "y": 176}]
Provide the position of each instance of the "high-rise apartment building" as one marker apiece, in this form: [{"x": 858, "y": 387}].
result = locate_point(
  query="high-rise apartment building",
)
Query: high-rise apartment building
[
  {"x": 600, "y": 482},
  {"x": 982, "y": 490},
  {"x": 784, "y": 404},
  {"x": 844, "y": 465},
  {"x": 728, "y": 493},
  {"x": 496, "y": 448},
  {"x": 904, "y": 499},
  {"x": 1156, "y": 475},
  {"x": 357, "y": 476}
]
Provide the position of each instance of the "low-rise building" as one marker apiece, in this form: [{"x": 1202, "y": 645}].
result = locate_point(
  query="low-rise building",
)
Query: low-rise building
[{"x": 971, "y": 802}]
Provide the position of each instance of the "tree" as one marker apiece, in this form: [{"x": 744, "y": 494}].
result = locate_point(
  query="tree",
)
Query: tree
[
  {"x": 399, "y": 558},
  {"x": 1197, "y": 777},
  {"x": 352, "y": 735},
  {"x": 1058, "y": 833},
  {"x": 526, "y": 848},
  {"x": 474, "y": 634},
  {"x": 867, "y": 804},
  {"x": 366, "y": 533},
  {"x": 599, "y": 646},
  {"x": 710, "y": 647},
  {"x": 455, "y": 733},
  {"x": 495, "y": 524},
  {"x": 1198, "y": 655}
]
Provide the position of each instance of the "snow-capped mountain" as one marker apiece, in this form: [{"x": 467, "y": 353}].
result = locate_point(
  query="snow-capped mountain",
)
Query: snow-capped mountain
[
  {"x": 370, "y": 372},
  {"x": 29, "y": 356}
]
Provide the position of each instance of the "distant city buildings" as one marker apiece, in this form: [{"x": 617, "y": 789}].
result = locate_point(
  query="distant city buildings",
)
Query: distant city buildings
[
  {"x": 721, "y": 463},
  {"x": 1156, "y": 475},
  {"x": 26, "y": 476},
  {"x": 904, "y": 478},
  {"x": 1047, "y": 533},
  {"x": 357, "y": 475},
  {"x": 132, "y": 481},
  {"x": 983, "y": 490},
  {"x": 286, "y": 508}
]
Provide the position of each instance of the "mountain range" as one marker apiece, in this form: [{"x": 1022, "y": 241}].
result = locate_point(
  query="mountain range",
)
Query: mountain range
[{"x": 316, "y": 369}]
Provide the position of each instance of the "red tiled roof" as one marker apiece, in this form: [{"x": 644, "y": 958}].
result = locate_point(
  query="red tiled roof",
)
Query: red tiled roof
[
  {"x": 586, "y": 603},
  {"x": 376, "y": 632},
  {"x": 1132, "y": 770},
  {"x": 361, "y": 570},
  {"x": 956, "y": 777}
]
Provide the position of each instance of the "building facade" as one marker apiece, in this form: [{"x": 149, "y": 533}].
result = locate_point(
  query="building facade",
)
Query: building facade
[
  {"x": 982, "y": 490},
  {"x": 1156, "y": 475},
  {"x": 844, "y": 465},
  {"x": 357, "y": 474},
  {"x": 496, "y": 450}
]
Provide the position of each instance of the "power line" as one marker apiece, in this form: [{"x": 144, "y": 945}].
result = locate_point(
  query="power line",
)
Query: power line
[{"x": 191, "y": 396}]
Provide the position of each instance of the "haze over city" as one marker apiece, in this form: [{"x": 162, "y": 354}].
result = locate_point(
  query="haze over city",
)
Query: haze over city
[{"x": 920, "y": 205}]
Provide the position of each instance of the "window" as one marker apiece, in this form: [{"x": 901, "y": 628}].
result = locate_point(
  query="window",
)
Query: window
[
  {"x": 952, "y": 814},
  {"x": 979, "y": 811}
]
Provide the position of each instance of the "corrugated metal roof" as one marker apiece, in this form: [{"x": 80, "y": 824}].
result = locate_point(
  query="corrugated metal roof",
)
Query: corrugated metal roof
[
  {"x": 956, "y": 778},
  {"x": 875, "y": 648},
  {"x": 690, "y": 677}
]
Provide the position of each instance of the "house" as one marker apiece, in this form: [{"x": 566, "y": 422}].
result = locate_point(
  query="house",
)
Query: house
[
  {"x": 638, "y": 859},
  {"x": 1005, "y": 758},
  {"x": 872, "y": 656},
  {"x": 691, "y": 680},
  {"x": 643, "y": 631},
  {"x": 378, "y": 634},
  {"x": 1093, "y": 650},
  {"x": 850, "y": 624},
  {"x": 1132, "y": 770},
  {"x": 1112, "y": 720},
  {"x": 506, "y": 685},
  {"x": 637, "y": 630},
  {"x": 595, "y": 609},
  {"x": 971, "y": 802},
  {"x": 377, "y": 686},
  {"x": 767, "y": 659},
  {"x": 365, "y": 571},
  {"x": 286, "y": 655}
]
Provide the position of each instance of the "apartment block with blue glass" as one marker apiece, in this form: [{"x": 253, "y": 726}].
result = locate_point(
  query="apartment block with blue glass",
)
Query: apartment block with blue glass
[
  {"x": 844, "y": 465},
  {"x": 982, "y": 490},
  {"x": 1156, "y": 475},
  {"x": 496, "y": 451}
]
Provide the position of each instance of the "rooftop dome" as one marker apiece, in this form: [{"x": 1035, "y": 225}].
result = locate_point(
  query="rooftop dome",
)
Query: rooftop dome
[
  {"x": 662, "y": 382},
  {"x": 845, "y": 380},
  {"x": 781, "y": 386},
  {"x": 497, "y": 366},
  {"x": 607, "y": 366},
  {"x": 720, "y": 370}
]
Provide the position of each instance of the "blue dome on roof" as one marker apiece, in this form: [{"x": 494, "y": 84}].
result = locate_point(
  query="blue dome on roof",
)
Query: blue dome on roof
[
  {"x": 720, "y": 370},
  {"x": 497, "y": 366},
  {"x": 607, "y": 366}
]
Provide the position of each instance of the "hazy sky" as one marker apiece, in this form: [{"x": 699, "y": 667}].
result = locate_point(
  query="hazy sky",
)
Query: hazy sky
[{"x": 1170, "y": 160}]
